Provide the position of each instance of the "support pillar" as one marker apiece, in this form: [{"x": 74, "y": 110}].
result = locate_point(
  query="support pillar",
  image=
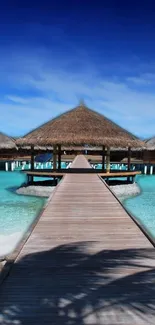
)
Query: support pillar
[
  {"x": 12, "y": 166},
  {"x": 129, "y": 159},
  {"x": 6, "y": 166},
  {"x": 59, "y": 156},
  {"x": 54, "y": 157},
  {"x": 108, "y": 160},
  {"x": 32, "y": 163},
  {"x": 32, "y": 158},
  {"x": 103, "y": 158}
]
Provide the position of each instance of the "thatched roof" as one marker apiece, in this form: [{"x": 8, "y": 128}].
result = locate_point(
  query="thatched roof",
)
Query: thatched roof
[
  {"x": 150, "y": 144},
  {"x": 7, "y": 142},
  {"x": 133, "y": 160},
  {"x": 80, "y": 126},
  {"x": 80, "y": 148}
]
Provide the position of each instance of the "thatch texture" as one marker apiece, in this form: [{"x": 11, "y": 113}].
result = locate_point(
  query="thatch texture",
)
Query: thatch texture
[
  {"x": 7, "y": 142},
  {"x": 132, "y": 160},
  {"x": 80, "y": 126},
  {"x": 150, "y": 144},
  {"x": 80, "y": 148}
]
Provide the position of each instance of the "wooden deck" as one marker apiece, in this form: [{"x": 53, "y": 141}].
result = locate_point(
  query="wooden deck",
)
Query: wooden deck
[{"x": 86, "y": 262}]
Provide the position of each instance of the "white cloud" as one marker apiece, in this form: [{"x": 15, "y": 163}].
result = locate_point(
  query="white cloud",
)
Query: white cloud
[
  {"x": 59, "y": 89},
  {"x": 139, "y": 80},
  {"x": 143, "y": 79},
  {"x": 19, "y": 119}
]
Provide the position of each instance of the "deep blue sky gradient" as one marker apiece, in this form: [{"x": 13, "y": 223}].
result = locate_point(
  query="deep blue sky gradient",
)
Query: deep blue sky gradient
[{"x": 52, "y": 53}]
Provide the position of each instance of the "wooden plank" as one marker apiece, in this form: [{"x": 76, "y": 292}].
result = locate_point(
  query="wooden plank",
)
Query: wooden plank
[{"x": 86, "y": 262}]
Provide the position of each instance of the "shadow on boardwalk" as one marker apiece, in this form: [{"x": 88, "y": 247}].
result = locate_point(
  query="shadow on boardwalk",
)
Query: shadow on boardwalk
[{"x": 69, "y": 286}]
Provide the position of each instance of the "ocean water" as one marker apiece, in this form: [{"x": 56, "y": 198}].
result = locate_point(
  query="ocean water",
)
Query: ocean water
[
  {"x": 142, "y": 207},
  {"x": 17, "y": 212},
  {"x": 38, "y": 166}
]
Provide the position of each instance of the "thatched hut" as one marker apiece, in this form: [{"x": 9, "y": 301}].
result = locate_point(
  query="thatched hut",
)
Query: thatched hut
[
  {"x": 7, "y": 144},
  {"x": 150, "y": 144},
  {"x": 149, "y": 152},
  {"x": 81, "y": 126}
]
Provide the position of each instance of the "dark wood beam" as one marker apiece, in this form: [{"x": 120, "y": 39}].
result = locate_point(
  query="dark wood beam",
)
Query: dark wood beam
[
  {"x": 129, "y": 159},
  {"x": 54, "y": 157},
  {"x": 103, "y": 157},
  {"x": 32, "y": 158},
  {"x": 59, "y": 156},
  {"x": 108, "y": 160}
]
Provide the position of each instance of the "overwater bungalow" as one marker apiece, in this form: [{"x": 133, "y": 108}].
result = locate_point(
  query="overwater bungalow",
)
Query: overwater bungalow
[
  {"x": 82, "y": 129},
  {"x": 7, "y": 144},
  {"x": 149, "y": 152},
  {"x": 8, "y": 149},
  {"x": 84, "y": 259}
]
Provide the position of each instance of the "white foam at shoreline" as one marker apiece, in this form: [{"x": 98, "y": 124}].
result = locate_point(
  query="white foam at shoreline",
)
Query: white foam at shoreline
[
  {"x": 8, "y": 243},
  {"x": 45, "y": 191},
  {"x": 126, "y": 190},
  {"x": 42, "y": 191}
]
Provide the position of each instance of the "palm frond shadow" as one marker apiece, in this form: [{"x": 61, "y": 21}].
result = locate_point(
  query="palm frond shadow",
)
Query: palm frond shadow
[{"x": 71, "y": 286}]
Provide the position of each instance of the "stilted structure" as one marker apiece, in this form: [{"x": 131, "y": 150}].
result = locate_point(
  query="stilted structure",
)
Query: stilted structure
[
  {"x": 83, "y": 127},
  {"x": 8, "y": 149}
]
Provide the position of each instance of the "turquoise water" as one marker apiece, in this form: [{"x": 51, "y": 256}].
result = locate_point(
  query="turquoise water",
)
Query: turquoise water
[
  {"x": 143, "y": 205},
  {"x": 16, "y": 211},
  {"x": 47, "y": 165}
]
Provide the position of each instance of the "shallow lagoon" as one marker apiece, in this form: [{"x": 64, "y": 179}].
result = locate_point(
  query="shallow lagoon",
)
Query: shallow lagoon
[
  {"x": 17, "y": 212},
  {"x": 143, "y": 205}
]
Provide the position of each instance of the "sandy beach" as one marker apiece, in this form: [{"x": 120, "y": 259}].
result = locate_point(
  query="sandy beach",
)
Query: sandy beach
[{"x": 8, "y": 243}]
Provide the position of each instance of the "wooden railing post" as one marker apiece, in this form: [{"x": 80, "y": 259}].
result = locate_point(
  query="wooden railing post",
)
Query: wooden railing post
[
  {"x": 108, "y": 160},
  {"x": 103, "y": 157},
  {"x": 54, "y": 157},
  {"x": 129, "y": 159},
  {"x": 59, "y": 156},
  {"x": 32, "y": 157}
]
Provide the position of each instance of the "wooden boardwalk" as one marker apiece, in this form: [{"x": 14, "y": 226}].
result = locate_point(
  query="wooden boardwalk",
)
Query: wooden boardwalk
[{"x": 86, "y": 262}]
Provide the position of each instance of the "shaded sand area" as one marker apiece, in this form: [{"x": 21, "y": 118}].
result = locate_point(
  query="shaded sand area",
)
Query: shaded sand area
[{"x": 86, "y": 262}]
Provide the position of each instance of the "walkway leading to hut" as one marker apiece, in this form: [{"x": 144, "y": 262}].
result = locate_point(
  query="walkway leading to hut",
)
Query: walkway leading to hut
[{"x": 86, "y": 262}]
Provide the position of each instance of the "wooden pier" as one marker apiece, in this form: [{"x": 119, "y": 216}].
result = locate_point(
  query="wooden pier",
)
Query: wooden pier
[{"x": 86, "y": 262}]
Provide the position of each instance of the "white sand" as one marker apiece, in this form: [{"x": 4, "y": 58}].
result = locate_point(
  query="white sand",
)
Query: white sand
[
  {"x": 42, "y": 191},
  {"x": 8, "y": 243},
  {"x": 45, "y": 191},
  {"x": 126, "y": 190}
]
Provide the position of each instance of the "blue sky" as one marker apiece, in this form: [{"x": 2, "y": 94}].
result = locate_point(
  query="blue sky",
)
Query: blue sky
[{"x": 54, "y": 53}]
